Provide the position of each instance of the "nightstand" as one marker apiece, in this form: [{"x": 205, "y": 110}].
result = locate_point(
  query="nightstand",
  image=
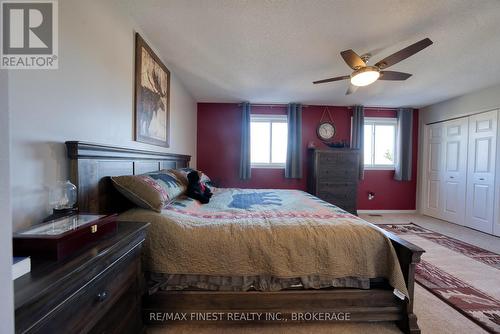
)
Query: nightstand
[{"x": 97, "y": 290}]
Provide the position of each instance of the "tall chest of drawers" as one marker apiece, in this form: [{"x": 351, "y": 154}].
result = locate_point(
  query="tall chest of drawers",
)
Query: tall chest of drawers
[{"x": 333, "y": 176}]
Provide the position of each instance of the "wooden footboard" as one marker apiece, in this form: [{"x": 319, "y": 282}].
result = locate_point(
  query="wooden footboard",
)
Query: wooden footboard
[
  {"x": 408, "y": 256},
  {"x": 356, "y": 305}
]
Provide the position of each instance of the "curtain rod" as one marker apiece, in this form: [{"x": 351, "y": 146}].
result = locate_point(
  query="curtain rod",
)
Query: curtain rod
[
  {"x": 376, "y": 108},
  {"x": 281, "y": 105}
]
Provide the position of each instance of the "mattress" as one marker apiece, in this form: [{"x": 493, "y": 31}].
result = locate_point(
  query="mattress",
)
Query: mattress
[{"x": 278, "y": 235}]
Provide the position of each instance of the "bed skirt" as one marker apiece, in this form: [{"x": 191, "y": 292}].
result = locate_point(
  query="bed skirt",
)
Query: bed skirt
[{"x": 168, "y": 282}]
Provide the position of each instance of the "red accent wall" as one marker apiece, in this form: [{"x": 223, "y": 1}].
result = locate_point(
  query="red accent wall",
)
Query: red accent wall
[
  {"x": 218, "y": 153},
  {"x": 389, "y": 194}
]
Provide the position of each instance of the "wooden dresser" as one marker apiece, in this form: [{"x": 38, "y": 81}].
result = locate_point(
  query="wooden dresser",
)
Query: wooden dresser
[
  {"x": 98, "y": 290},
  {"x": 333, "y": 176}
]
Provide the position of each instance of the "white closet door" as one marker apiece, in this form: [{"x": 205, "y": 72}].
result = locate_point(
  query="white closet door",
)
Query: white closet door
[
  {"x": 496, "y": 223},
  {"x": 454, "y": 180},
  {"x": 481, "y": 171},
  {"x": 433, "y": 170}
]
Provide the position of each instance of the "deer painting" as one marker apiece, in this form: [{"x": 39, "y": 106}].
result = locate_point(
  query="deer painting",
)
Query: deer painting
[{"x": 152, "y": 96}]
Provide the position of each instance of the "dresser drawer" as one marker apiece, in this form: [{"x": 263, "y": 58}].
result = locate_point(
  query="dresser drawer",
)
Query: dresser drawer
[
  {"x": 341, "y": 160},
  {"x": 338, "y": 191},
  {"x": 348, "y": 206},
  {"x": 334, "y": 174},
  {"x": 342, "y": 195},
  {"x": 350, "y": 209},
  {"x": 125, "y": 318},
  {"x": 80, "y": 312}
]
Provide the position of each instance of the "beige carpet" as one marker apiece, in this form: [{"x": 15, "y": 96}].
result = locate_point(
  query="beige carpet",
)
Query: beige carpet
[{"x": 434, "y": 316}]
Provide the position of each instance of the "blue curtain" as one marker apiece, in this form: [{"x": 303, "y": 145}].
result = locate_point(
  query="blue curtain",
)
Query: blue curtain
[
  {"x": 245, "y": 167},
  {"x": 293, "y": 167},
  {"x": 358, "y": 137},
  {"x": 404, "y": 149}
]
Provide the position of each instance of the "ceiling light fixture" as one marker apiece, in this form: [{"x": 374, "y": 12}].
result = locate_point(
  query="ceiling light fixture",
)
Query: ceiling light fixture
[{"x": 365, "y": 76}]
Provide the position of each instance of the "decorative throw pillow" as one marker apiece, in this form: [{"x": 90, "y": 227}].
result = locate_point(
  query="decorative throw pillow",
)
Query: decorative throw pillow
[
  {"x": 182, "y": 173},
  {"x": 152, "y": 190}
]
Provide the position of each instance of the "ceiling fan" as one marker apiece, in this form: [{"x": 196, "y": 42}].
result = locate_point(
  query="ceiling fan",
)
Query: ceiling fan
[{"x": 365, "y": 75}]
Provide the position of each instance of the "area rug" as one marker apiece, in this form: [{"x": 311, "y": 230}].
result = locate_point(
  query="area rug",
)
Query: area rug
[{"x": 475, "y": 304}]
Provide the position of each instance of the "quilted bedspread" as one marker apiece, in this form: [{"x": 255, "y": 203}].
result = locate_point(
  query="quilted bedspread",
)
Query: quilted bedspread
[{"x": 281, "y": 233}]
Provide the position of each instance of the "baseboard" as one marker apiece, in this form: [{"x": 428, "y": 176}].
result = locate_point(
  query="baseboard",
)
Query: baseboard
[{"x": 365, "y": 212}]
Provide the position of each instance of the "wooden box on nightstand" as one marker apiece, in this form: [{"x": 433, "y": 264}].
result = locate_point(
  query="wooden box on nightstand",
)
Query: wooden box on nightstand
[{"x": 60, "y": 238}]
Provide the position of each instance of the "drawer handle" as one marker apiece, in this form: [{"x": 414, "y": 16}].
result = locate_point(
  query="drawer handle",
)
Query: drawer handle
[
  {"x": 102, "y": 296},
  {"x": 481, "y": 179}
]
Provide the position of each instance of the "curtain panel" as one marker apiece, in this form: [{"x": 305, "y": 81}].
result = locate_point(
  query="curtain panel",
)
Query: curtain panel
[
  {"x": 293, "y": 166},
  {"x": 404, "y": 149},
  {"x": 245, "y": 165},
  {"x": 357, "y": 136}
]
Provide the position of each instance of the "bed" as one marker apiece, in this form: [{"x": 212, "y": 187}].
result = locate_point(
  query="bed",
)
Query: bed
[{"x": 254, "y": 250}]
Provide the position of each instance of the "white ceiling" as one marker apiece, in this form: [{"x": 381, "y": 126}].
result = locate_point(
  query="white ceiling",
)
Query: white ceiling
[{"x": 271, "y": 50}]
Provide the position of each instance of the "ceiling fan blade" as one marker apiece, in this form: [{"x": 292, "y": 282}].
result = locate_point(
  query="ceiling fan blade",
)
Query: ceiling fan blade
[
  {"x": 403, "y": 54},
  {"x": 352, "y": 59},
  {"x": 393, "y": 75},
  {"x": 332, "y": 79},
  {"x": 351, "y": 89}
]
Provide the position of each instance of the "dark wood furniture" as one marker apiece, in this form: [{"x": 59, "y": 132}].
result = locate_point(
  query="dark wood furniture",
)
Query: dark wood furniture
[
  {"x": 60, "y": 246},
  {"x": 95, "y": 291},
  {"x": 333, "y": 176},
  {"x": 92, "y": 164}
]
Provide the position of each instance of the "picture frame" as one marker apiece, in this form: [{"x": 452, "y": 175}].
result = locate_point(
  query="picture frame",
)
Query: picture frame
[{"x": 152, "y": 96}]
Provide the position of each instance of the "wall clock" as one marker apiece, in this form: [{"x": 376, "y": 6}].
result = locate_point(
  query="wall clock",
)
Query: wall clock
[{"x": 325, "y": 130}]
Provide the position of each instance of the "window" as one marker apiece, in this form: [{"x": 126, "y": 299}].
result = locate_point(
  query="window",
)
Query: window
[
  {"x": 268, "y": 140},
  {"x": 380, "y": 143}
]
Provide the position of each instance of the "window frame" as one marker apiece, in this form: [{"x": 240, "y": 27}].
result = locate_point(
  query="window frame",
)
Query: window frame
[
  {"x": 380, "y": 121},
  {"x": 268, "y": 119}
]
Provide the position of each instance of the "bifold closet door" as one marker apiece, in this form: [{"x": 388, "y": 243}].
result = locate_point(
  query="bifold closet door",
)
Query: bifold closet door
[
  {"x": 496, "y": 222},
  {"x": 433, "y": 170},
  {"x": 454, "y": 178},
  {"x": 481, "y": 171}
]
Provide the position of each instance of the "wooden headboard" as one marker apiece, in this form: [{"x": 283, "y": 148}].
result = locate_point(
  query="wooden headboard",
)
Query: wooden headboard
[{"x": 91, "y": 166}]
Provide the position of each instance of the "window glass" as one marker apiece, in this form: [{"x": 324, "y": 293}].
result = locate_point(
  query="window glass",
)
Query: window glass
[
  {"x": 279, "y": 142},
  {"x": 379, "y": 142},
  {"x": 260, "y": 139},
  {"x": 368, "y": 144},
  {"x": 268, "y": 140},
  {"x": 384, "y": 148}
]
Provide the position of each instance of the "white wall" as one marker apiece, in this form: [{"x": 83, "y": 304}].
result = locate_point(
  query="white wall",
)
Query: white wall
[
  {"x": 465, "y": 105},
  {"x": 6, "y": 289},
  {"x": 468, "y": 104},
  {"x": 89, "y": 98}
]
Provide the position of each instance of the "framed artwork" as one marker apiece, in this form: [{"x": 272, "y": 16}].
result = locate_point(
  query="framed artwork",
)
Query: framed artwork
[{"x": 152, "y": 96}]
